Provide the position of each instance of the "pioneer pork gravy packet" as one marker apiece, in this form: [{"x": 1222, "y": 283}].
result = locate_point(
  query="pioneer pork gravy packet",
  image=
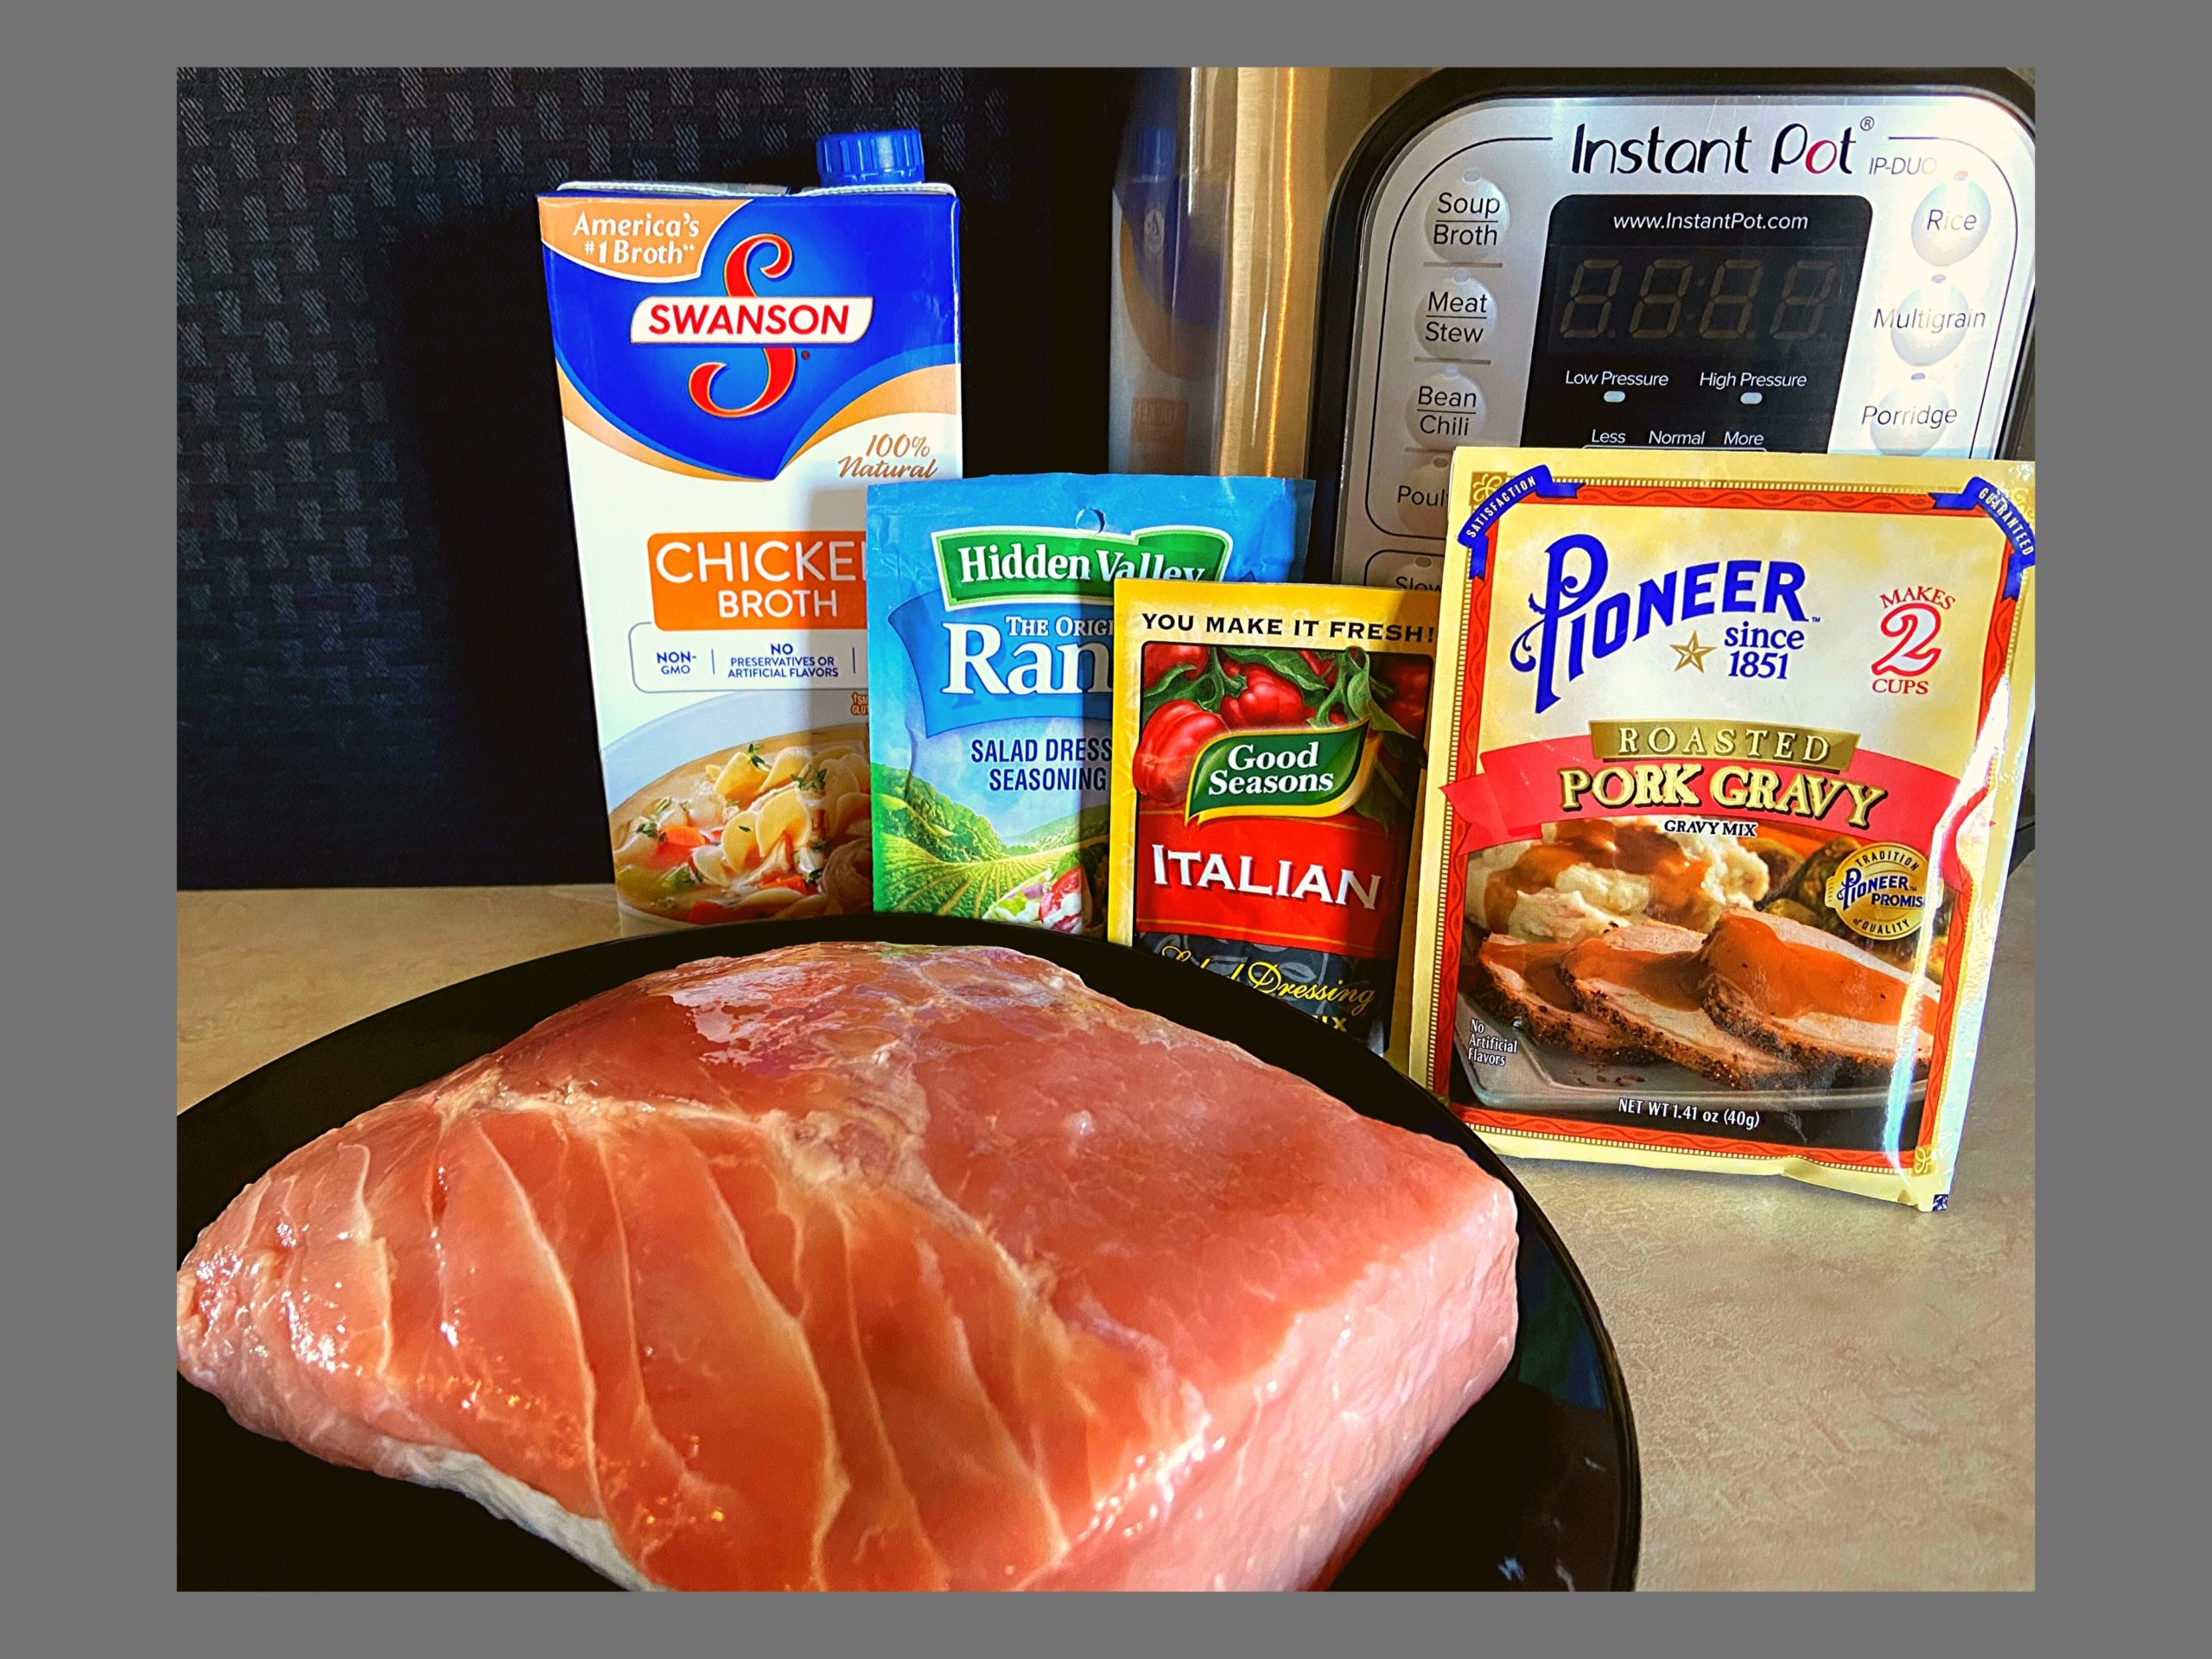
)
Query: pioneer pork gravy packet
[{"x": 1722, "y": 777}]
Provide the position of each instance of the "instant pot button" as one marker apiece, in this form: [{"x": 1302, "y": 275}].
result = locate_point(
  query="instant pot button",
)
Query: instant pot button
[
  {"x": 1928, "y": 324},
  {"x": 1467, "y": 218},
  {"x": 1951, "y": 220},
  {"x": 1445, "y": 409},
  {"x": 1393, "y": 568},
  {"x": 1912, "y": 419},
  {"x": 1457, "y": 316},
  {"x": 1417, "y": 503}
]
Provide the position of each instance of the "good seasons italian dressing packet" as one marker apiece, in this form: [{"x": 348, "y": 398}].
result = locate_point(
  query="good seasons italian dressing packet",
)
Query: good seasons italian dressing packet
[
  {"x": 1725, "y": 765},
  {"x": 1267, "y": 767},
  {"x": 990, "y": 642}
]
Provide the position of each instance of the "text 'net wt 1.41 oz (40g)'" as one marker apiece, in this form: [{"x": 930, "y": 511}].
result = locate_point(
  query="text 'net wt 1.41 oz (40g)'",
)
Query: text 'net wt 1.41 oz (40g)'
[{"x": 1723, "y": 776}]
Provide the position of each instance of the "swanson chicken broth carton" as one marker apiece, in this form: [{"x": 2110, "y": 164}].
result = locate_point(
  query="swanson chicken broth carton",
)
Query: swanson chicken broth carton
[
  {"x": 736, "y": 366},
  {"x": 1723, "y": 771}
]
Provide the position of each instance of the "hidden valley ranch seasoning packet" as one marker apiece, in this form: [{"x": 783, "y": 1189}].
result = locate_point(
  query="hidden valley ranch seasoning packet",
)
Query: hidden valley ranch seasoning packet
[{"x": 991, "y": 645}]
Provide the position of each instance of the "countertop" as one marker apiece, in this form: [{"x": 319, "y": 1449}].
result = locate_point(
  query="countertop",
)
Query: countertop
[{"x": 1830, "y": 1392}]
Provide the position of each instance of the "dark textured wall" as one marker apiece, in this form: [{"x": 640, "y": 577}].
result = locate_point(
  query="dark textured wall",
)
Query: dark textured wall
[{"x": 381, "y": 665}]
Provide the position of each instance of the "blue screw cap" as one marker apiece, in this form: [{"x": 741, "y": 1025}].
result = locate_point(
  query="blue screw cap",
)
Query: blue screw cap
[
  {"x": 1155, "y": 153},
  {"x": 892, "y": 157}
]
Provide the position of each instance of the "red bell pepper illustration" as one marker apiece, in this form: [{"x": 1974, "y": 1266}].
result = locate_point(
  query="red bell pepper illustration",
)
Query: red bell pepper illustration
[
  {"x": 1267, "y": 699},
  {"x": 1402, "y": 685},
  {"x": 1163, "y": 658},
  {"x": 1168, "y": 746}
]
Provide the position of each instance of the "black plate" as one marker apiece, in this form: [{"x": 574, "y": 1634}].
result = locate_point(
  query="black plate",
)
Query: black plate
[{"x": 1537, "y": 1488}]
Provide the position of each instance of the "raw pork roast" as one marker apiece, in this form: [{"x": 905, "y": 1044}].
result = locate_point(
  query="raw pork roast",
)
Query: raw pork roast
[{"x": 857, "y": 1266}]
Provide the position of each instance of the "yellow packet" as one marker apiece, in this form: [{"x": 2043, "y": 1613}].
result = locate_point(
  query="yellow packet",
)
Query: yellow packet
[
  {"x": 1267, "y": 779},
  {"x": 1725, "y": 760}
]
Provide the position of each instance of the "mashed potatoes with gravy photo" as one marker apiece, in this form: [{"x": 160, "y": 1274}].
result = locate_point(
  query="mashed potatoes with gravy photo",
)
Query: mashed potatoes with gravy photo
[{"x": 1588, "y": 875}]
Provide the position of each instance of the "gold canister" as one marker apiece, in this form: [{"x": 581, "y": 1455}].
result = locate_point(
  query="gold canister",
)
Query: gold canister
[
  {"x": 1229, "y": 375},
  {"x": 1290, "y": 133}
]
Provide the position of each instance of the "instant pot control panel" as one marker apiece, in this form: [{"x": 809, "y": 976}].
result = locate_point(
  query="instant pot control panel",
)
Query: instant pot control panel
[{"x": 1827, "y": 269}]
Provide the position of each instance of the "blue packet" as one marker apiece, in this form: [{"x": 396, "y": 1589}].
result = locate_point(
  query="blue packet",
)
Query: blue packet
[{"x": 991, "y": 641}]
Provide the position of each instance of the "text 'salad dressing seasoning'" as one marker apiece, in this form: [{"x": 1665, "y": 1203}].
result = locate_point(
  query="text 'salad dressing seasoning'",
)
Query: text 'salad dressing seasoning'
[{"x": 1723, "y": 770}]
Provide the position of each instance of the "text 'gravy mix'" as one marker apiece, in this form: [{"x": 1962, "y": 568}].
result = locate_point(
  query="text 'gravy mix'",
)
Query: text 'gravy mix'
[
  {"x": 1722, "y": 777},
  {"x": 736, "y": 367}
]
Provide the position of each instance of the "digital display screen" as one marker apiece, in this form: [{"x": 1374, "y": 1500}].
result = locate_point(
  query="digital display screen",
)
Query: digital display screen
[{"x": 1709, "y": 321}]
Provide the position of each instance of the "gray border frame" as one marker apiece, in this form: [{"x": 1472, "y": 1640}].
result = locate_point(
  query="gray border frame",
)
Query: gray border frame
[{"x": 92, "y": 450}]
